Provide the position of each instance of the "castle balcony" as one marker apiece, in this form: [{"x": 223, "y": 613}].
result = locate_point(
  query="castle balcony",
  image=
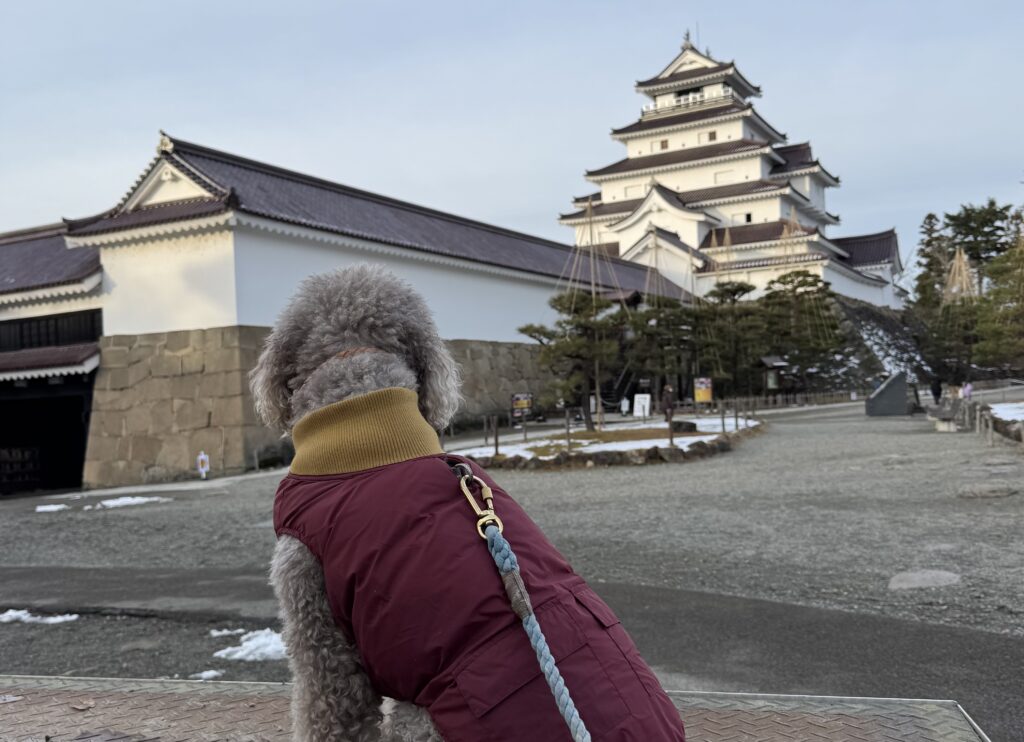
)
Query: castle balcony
[{"x": 690, "y": 102}]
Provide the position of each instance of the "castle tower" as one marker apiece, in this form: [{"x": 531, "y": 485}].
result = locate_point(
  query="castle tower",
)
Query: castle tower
[{"x": 699, "y": 160}]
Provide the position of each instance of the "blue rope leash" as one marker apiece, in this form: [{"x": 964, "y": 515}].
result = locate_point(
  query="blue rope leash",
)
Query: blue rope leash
[{"x": 508, "y": 567}]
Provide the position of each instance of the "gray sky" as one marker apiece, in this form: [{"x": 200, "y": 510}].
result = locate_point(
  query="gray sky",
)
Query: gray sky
[{"x": 494, "y": 110}]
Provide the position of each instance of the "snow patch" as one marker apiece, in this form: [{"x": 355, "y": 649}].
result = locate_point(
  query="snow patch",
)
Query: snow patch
[
  {"x": 22, "y": 616},
  {"x": 682, "y": 442},
  {"x": 265, "y": 644},
  {"x": 226, "y": 632},
  {"x": 206, "y": 675},
  {"x": 123, "y": 502},
  {"x": 51, "y": 508},
  {"x": 1013, "y": 411}
]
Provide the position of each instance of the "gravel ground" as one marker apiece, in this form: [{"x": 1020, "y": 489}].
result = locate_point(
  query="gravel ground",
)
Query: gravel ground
[{"x": 820, "y": 510}]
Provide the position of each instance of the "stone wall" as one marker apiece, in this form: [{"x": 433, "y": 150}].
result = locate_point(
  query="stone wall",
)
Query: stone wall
[
  {"x": 492, "y": 372},
  {"x": 160, "y": 398}
]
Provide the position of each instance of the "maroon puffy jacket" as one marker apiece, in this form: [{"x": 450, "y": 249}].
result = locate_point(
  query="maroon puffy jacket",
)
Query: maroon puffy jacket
[{"x": 412, "y": 585}]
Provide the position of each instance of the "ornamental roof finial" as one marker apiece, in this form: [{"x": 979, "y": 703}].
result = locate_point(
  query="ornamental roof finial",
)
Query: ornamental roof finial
[
  {"x": 687, "y": 44},
  {"x": 166, "y": 144}
]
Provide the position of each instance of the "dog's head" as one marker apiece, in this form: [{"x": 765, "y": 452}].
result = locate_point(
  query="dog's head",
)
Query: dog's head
[{"x": 351, "y": 332}]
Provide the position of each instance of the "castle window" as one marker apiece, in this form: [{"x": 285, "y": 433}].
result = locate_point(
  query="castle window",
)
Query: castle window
[
  {"x": 712, "y": 136},
  {"x": 749, "y": 217},
  {"x": 664, "y": 144}
]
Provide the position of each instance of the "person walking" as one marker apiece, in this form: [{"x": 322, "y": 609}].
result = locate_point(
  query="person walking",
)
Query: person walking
[
  {"x": 936, "y": 389},
  {"x": 966, "y": 391},
  {"x": 668, "y": 401}
]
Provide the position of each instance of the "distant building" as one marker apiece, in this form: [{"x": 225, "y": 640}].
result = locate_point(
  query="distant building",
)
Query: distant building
[
  {"x": 125, "y": 338},
  {"x": 709, "y": 191}
]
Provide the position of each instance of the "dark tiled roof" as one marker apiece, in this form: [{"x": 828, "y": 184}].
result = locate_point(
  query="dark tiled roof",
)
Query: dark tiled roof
[
  {"x": 594, "y": 198},
  {"x": 762, "y": 262},
  {"x": 162, "y": 213},
  {"x": 685, "y": 76},
  {"x": 39, "y": 259},
  {"x": 673, "y": 239},
  {"x": 286, "y": 196},
  {"x": 661, "y": 122},
  {"x": 748, "y": 233},
  {"x": 612, "y": 207},
  {"x": 679, "y": 156},
  {"x": 797, "y": 157},
  {"x": 686, "y": 199},
  {"x": 30, "y": 359},
  {"x": 865, "y": 249}
]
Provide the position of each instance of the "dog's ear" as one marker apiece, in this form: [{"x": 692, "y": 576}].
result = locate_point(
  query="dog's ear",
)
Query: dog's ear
[
  {"x": 439, "y": 380},
  {"x": 269, "y": 379}
]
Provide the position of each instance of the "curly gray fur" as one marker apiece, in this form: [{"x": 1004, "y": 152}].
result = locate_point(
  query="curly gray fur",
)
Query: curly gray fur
[
  {"x": 362, "y": 305},
  {"x": 298, "y": 372},
  {"x": 332, "y": 698}
]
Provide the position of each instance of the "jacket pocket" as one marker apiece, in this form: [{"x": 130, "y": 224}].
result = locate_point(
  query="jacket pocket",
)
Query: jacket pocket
[
  {"x": 605, "y": 617},
  {"x": 504, "y": 687}
]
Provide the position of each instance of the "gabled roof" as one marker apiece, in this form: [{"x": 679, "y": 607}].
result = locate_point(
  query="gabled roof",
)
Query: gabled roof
[
  {"x": 685, "y": 199},
  {"x": 699, "y": 75},
  {"x": 868, "y": 249},
  {"x": 258, "y": 189},
  {"x": 37, "y": 259},
  {"x": 750, "y": 233},
  {"x": 675, "y": 157},
  {"x": 673, "y": 239}
]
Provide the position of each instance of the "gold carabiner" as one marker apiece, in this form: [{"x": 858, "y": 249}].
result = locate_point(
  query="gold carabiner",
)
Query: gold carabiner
[{"x": 486, "y": 515}]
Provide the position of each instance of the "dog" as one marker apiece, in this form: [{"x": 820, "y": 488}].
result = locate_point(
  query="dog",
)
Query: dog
[{"x": 394, "y": 617}]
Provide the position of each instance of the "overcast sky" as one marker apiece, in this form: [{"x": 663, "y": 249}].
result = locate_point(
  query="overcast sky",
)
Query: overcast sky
[{"x": 494, "y": 110}]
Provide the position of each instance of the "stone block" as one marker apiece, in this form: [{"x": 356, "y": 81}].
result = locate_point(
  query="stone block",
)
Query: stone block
[
  {"x": 176, "y": 455},
  {"x": 212, "y": 384},
  {"x": 252, "y": 336},
  {"x": 213, "y": 339},
  {"x": 145, "y": 449},
  {"x": 139, "y": 353},
  {"x": 137, "y": 372},
  {"x": 161, "y": 416},
  {"x": 193, "y": 362},
  {"x": 178, "y": 341},
  {"x": 234, "y": 450},
  {"x": 150, "y": 338},
  {"x": 110, "y": 422},
  {"x": 103, "y": 399},
  {"x": 222, "y": 359},
  {"x": 114, "y": 357},
  {"x": 165, "y": 365},
  {"x": 101, "y": 448},
  {"x": 137, "y": 419},
  {"x": 229, "y": 337},
  {"x": 113, "y": 379},
  {"x": 119, "y": 341},
  {"x": 184, "y": 387},
  {"x": 189, "y": 415},
  {"x": 227, "y": 412},
  {"x": 153, "y": 388}
]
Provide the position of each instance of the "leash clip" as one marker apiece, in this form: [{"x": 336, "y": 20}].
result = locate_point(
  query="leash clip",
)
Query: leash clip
[{"x": 486, "y": 515}]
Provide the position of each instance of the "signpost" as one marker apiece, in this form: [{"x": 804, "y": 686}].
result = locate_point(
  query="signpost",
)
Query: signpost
[
  {"x": 642, "y": 405},
  {"x": 702, "y": 390},
  {"x": 522, "y": 404}
]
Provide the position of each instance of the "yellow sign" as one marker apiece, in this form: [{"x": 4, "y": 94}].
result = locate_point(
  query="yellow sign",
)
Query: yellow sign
[{"x": 702, "y": 390}]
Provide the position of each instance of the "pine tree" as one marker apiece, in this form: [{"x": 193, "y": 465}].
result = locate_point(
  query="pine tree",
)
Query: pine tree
[
  {"x": 984, "y": 233},
  {"x": 934, "y": 252},
  {"x": 800, "y": 324},
  {"x": 1001, "y": 312},
  {"x": 734, "y": 336},
  {"x": 661, "y": 341},
  {"x": 582, "y": 348}
]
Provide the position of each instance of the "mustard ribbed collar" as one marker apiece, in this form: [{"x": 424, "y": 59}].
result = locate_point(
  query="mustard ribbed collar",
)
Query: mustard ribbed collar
[{"x": 375, "y": 429}]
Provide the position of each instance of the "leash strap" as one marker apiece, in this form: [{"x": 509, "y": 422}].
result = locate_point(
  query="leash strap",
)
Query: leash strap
[{"x": 490, "y": 528}]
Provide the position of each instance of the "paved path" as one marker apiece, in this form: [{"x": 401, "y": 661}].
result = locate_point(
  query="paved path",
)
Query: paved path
[{"x": 764, "y": 570}]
